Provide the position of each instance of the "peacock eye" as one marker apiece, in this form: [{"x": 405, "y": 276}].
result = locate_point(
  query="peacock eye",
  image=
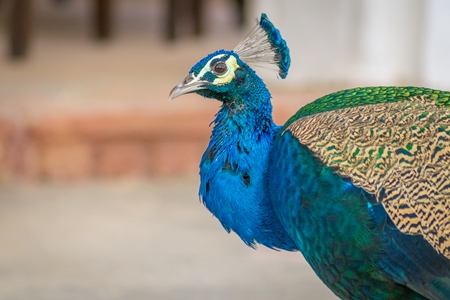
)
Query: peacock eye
[{"x": 219, "y": 68}]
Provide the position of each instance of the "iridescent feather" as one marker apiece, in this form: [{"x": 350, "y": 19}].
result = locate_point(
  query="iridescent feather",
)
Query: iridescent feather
[{"x": 264, "y": 46}]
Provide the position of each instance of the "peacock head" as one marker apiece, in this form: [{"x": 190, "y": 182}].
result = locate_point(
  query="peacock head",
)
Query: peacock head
[{"x": 223, "y": 74}]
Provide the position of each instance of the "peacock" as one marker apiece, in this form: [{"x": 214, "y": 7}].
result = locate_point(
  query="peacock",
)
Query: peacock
[{"x": 358, "y": 180}]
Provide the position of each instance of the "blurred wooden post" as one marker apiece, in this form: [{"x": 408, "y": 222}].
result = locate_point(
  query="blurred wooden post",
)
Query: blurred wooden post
[
  {"x": 197, "y": 11},
  {"x": 176, "y": 8},
  {"x": 171, "y": 19},
  {"x": 241, "y": 12},
  {"x": 19, "y": 27},
  {"x": 102, "y": 18}
]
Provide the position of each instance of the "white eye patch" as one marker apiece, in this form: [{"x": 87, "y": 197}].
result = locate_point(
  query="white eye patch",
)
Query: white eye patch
[{"x": 227, "y": 76}]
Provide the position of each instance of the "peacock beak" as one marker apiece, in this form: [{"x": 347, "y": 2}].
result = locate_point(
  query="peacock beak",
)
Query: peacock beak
[{"x": 188, "y": 85}]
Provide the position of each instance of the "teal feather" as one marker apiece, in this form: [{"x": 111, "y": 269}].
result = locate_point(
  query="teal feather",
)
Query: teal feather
[
  {"x": 345, "y": 235},
  {"x": 264, "y": 45},
  {"x": 278, "y": 44},
  {"x": 357, "y": 181}
]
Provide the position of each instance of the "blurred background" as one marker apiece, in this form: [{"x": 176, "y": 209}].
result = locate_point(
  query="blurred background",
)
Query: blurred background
[{"x": 98, "y": 171}]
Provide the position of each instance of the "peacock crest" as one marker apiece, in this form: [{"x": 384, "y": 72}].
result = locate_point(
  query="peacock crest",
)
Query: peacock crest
[{"x": 264, "y": 46}]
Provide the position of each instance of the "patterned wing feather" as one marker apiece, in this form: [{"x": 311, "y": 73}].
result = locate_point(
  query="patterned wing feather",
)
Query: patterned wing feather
[{"x": 398, "y": 151}]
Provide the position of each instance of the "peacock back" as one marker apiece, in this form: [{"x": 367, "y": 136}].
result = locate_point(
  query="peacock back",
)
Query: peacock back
[{"x": 393, "y": 142}]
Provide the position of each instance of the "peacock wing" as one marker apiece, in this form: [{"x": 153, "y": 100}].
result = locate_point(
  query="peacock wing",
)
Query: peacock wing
[{"x": 398, "y": 151}]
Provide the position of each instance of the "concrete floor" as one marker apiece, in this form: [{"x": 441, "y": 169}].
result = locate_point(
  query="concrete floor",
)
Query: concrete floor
[{"x": 134, "y": 240}]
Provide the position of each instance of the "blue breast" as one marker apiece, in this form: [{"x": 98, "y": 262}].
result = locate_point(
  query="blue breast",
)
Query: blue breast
[{"x": 232, "y": 182}]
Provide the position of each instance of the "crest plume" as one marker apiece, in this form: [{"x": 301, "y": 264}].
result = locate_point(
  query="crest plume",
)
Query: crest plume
[{"x": 264, "y": 45}]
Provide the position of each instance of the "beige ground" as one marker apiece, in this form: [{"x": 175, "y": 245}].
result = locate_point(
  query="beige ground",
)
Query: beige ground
[{"x": 134, "y": 240}]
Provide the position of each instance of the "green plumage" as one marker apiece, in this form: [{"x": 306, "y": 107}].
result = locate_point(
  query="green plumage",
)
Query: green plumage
[
  {"x": 365, "y": 96},
  {"x": 339, "y": 237},
  {"x": 397, "y": 150},
  {"x": 390, "y": 146}
]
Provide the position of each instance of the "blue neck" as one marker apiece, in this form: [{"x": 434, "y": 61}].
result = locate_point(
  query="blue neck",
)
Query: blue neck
[{"x": 233, "y": 168}]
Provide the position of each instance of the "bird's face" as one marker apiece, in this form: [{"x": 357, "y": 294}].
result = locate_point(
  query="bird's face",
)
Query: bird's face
[
  {"x": 218, "y": 75},
  {"x": 226, "y": 75}
]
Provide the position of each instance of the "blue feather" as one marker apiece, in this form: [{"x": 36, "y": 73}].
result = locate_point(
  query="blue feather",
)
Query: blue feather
[
  {"x": 279, "y": 45},
  {"x": 335, "y": 227}
]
